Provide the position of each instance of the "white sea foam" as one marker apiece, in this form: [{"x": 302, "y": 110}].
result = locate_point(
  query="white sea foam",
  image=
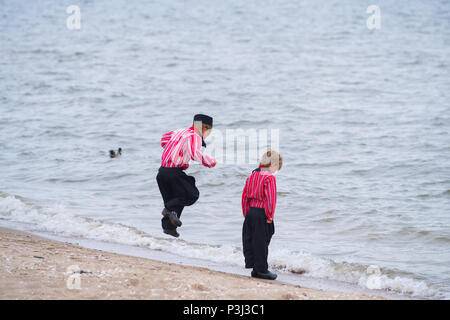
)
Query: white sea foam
[
  {"x": 61, "y": 221},
  {"x": 310, "y": 265}
]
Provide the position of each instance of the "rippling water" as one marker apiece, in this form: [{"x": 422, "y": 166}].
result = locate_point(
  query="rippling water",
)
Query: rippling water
[{"x": 364, "y": 119}]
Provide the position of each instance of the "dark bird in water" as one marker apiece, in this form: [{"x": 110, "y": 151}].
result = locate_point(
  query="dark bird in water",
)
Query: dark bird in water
[{"x": 115, "y": 154}]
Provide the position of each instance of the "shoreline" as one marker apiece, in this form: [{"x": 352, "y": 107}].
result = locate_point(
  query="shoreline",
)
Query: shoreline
[{"x": 33, "y": 267}]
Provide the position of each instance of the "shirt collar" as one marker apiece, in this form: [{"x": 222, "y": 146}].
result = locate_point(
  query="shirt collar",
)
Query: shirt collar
[
  {"x": 263, "y": 170},
  {"x": 199, "y": 133},
  {"x": 195, "y": 130}
]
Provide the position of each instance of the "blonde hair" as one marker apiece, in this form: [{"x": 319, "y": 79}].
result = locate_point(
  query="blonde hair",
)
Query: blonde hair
[{"x": 271, "y": 157}]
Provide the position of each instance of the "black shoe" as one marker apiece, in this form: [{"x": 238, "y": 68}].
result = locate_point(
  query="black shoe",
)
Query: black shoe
[
  {"x": 172, "y": 232},
  {"x": 172, "y": 215},
  {"x": 266, "y": 275}
]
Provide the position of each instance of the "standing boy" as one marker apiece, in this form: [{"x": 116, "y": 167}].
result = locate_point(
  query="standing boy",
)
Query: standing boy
[
  {"x": 177, "y": 188},
  {"x": 259, "y": 199}
]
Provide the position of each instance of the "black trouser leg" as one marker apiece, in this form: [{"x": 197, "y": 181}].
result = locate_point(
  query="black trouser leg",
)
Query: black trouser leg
[
  {"x": 247, "y": 246},
  {"x": 256, "y": 236},
  {"x": 259, "y": 243},
  {"x": 178, "y": 190}
]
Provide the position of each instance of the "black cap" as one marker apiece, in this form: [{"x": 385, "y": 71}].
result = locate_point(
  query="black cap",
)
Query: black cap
[{"x": 204, "y": 119}]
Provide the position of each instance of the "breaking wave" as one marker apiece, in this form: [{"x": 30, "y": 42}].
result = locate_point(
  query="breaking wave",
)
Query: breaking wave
[{"x": 63, "y": 222}]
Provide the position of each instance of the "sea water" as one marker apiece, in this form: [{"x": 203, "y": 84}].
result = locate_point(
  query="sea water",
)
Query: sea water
[{"x": 361, "y": 116}]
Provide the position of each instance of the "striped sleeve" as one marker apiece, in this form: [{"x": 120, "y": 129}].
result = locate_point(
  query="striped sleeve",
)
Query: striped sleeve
[
  {"x": 195, "y": 149},
  {"x": 166, "y": 138},
  {"x": 270, "y": 193},
  {"x": 245, "y": 202}
]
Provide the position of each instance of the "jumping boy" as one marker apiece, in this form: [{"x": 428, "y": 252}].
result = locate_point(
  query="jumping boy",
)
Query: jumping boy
[
  {"x": 177, "y": 188},
  {"x": 259, "y": 199}
]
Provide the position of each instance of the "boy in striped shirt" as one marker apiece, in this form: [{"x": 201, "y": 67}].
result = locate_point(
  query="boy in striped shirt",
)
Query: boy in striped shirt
[
  {"x": 177, "y": 188},
  {"x": 259, "y": 199}
]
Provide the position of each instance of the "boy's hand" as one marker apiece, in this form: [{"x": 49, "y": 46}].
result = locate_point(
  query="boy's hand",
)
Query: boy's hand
[
  {"x": 214, "y": 162},
  {"x": 269, "y": 221}
]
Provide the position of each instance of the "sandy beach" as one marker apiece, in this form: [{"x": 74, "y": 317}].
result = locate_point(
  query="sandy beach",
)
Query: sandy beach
[{"x": 32, "y": 267}]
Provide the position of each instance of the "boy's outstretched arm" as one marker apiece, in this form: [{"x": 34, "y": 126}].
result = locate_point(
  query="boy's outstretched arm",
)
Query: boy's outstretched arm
[{"x": 195, "y": 149}]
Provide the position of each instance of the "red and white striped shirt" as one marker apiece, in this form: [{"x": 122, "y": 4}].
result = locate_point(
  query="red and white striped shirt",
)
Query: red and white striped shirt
[
  {"x": 182, "y": 146},
  {"x": 260, "y": 191}
]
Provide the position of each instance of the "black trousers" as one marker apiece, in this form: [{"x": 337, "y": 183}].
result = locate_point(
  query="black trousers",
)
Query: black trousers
[
  {"x": 178, "y": 190},
  {"x": 256, "y": 236}
]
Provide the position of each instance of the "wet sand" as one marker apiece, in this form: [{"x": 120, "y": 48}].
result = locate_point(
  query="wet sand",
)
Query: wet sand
[{"x": 32, "y": 267}]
